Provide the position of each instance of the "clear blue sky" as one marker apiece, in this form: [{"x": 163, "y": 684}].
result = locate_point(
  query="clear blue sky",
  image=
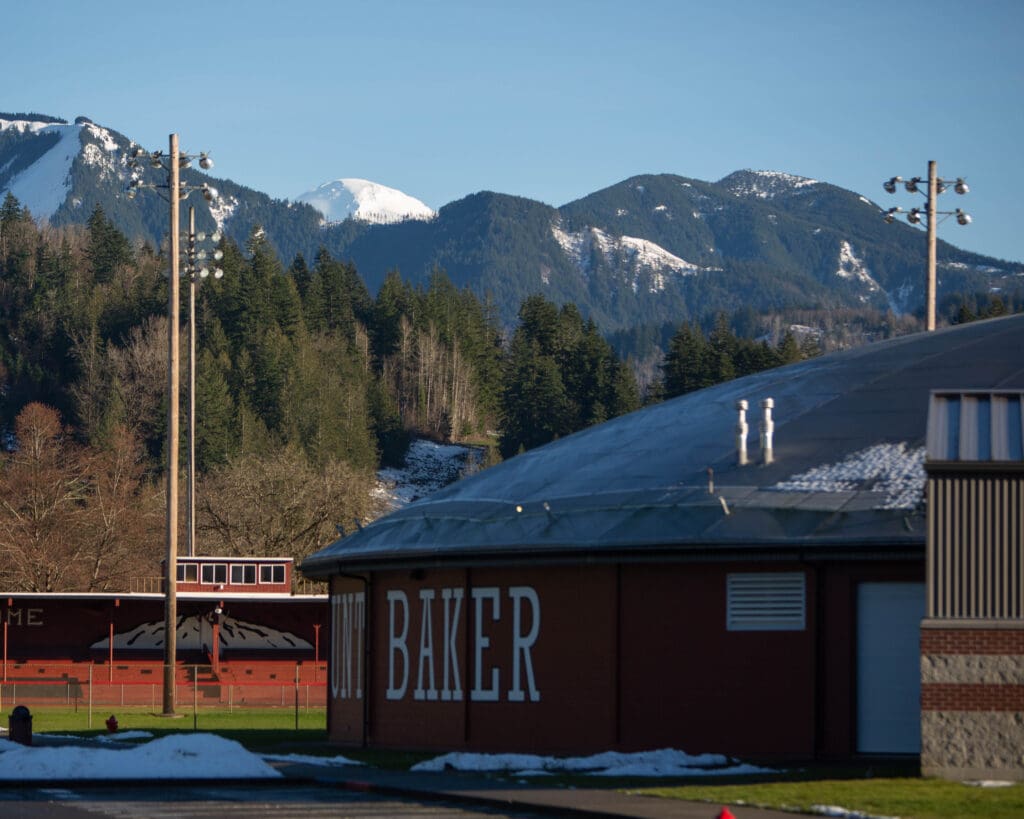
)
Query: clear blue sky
[{"x": 549, "y": 99}]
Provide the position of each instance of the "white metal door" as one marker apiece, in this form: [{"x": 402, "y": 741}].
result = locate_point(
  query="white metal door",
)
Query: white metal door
[{"x": 889, "y": 667}]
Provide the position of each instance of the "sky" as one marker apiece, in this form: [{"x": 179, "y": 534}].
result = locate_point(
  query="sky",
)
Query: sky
[{"x": 550, "y": 99}]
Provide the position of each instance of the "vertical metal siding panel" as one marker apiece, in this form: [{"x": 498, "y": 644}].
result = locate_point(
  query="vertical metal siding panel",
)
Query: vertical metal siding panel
[
  {"x": 952, "y": 524},
  {"x": 963, "y": 567},
  {"x": 1000, "y": 445},
  {"x": 946, "y": 522},
  {"x": 968, "y": 450},
  {"x": 1001, "y": 568},
  {"x": 1009, "y": 544},
  {"x": 991, "y": 579},
  {"x": 984, "y": 423},
  {"x": 977, "y": 538},
  {"x": 985, "y": 549},
  {"x": 1016, "y": 424},
  {"x": 1017, "y": 548},
  {"x": 936, "y": 437},
  {"x": 978, "y": 550},
  {"x": 931, "y": 547},
  {"x": 967, "y": 547}
]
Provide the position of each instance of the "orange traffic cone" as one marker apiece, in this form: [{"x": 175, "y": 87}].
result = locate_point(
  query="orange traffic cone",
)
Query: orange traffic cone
[{"x": 725, "y": 814}]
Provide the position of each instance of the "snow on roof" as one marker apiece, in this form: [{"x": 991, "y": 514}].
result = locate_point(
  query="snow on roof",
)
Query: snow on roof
[
  {"x": 894, "y": 469},
  {"x": 640, "y": 482}
]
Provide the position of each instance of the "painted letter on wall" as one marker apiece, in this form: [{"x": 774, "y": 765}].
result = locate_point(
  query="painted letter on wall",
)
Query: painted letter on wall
[{"x": 396, "y": 644}]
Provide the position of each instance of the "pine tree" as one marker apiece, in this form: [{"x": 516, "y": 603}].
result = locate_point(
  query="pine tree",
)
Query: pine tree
[
  {"x": 215, "y": 413},
  {"x": 683, "y": 369},
  {"x": 108, "y": 249}
]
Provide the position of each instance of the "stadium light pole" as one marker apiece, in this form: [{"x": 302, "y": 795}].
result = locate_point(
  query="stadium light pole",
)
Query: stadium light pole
[
  {"x": 172, "y": 164},
  {"x": 196, "y": 270},
  {"x": 173, "y": 358},
  {"x": 935, "y": 186}
]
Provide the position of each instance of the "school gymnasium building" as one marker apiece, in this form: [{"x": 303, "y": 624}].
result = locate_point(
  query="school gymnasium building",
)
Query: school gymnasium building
[{"x": 818, "y": 562}]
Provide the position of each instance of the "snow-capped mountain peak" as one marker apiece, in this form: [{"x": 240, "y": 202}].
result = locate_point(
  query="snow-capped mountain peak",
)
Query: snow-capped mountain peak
[{"x": 366, "y": 201}]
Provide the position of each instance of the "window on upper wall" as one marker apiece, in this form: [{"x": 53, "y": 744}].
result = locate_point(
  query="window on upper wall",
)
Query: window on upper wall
[
  {"x": 766, "y": 601},
  {"x": 188, "y": 573},
  {"x": 214, "y": 573},
  {"x": 273, "y": 573},
  {"x": 243, "y": 574}
]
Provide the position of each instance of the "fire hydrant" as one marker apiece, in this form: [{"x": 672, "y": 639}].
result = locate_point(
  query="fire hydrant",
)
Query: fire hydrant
[{"x": 112, "y": 724}]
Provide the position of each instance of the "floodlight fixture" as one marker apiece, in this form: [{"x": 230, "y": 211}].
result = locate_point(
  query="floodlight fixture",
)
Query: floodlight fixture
[{"x": 935, "y": 187}]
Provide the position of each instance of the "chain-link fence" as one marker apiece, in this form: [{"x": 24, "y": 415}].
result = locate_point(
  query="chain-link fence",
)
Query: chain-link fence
[{"x": 225, "y": 686}]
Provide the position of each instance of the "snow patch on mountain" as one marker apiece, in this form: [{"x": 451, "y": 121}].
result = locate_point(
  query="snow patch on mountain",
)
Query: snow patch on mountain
[
  {"x": 980, "y": 268},
  {"x": 850, "y": 267},
  {"x": 637, "y": 255},
  {"x": 765, "y": 184},
  {"x": 102, "y": 151},
  {"x": 365, "y": 201},
  {"x": 44, "y": 185},
  {"x": 900, "y": 299}
]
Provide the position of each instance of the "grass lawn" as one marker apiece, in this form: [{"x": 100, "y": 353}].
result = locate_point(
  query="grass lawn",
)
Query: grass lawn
[
  {"x": 906, "y": 798},
  {"x": 256, "y": 728}
]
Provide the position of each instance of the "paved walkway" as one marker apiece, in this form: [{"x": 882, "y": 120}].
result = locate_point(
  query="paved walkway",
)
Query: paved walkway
[{"x": 477, "y": 789}]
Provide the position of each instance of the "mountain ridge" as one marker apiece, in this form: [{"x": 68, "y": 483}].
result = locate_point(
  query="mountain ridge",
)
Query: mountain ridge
[{"x": 651, "y": 248}]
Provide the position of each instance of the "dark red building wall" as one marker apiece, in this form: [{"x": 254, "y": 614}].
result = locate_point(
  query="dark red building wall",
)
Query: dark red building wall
[
  {"x": 631, "y": 656},
  {"x": 570, "y": 705},
  {"x": 689, "y": 683}
]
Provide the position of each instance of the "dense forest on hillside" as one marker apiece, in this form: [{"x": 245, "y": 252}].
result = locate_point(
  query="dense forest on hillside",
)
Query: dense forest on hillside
[{"x": 305, "y": 384}]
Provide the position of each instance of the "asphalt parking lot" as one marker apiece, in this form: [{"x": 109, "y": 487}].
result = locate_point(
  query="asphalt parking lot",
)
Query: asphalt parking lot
[{"x": 289, "y": 800}]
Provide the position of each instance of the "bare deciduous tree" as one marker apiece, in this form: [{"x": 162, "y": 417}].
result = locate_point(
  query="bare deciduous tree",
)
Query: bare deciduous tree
[
  {"x": 280, "y": 505},
  {"x": 72, "y": 518}
]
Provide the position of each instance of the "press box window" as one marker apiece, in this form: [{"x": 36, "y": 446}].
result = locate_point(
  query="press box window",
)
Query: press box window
[
  {"x": 766, "y": 601},
  {"x": 272, "y": 574},
  {"x": 188, "y": 573},
  {"x": 214, "y": 573},
  {"x": 243, "y": 574}
]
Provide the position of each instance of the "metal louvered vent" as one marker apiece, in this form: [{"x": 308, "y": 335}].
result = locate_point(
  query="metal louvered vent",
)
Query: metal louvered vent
[{"x": 766, "y": 601}]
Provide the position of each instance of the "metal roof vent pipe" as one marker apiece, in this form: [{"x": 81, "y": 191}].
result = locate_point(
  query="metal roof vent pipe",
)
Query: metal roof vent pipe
[
  {"x": 767, "y": 431},
  {"x": 741, "y": 433}
]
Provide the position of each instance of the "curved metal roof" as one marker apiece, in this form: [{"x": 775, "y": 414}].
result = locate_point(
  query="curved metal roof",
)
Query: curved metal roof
[{"x": 848, "y": 472}]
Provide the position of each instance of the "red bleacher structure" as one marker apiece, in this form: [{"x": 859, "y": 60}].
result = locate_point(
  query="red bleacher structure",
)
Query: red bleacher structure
[{"x": 243, "y": 637}]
